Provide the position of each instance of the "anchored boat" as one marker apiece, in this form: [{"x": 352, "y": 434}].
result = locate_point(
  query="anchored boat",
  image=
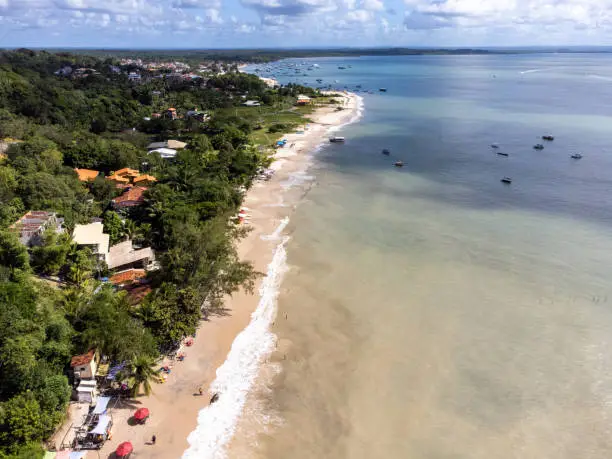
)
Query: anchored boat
[
  {"x": 507, "y": 180},
  {"x": 336, "y": 139}
]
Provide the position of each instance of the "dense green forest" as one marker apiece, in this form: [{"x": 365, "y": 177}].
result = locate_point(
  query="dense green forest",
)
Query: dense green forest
[
  {"x": 52, "y": 302},
  {"x": 274, "y": 54}
]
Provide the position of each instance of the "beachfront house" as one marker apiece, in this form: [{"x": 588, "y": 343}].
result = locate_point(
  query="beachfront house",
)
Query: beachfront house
[
  {"x": 32, "y": 225},
  {"x": 84, "y": 366},
  {"x": 303, "y": 100},
  {"x": 94, "y": 237},
  {"x": 124, "y": 256}
]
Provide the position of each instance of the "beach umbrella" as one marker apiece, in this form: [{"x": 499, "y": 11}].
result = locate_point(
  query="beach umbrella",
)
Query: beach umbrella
[
  {"x": 124, "y": 449},
  {"x": 141, "y": 414}
]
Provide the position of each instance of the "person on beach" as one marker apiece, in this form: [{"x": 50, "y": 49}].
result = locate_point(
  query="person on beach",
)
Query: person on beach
[
  {"x": 200, "y": 390},
  {"x": 153, "y": 439}
]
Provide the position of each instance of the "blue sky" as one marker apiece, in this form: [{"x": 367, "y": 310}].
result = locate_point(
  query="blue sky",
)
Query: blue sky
[{"x": 303, "y": 23}]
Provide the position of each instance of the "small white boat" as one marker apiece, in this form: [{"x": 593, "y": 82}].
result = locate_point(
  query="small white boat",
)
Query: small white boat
[{"x": 336, "y": 139}]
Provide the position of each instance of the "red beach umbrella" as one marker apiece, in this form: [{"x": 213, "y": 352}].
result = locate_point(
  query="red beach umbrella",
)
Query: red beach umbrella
[
  {"x": 141, "y": 414},
  {"x": 124, "y": 449}
]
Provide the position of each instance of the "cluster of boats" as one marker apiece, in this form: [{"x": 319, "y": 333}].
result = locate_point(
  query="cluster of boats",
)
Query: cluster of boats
[
  {"x": 296, "y": 70},
  {"x": 537, "y": 146}
]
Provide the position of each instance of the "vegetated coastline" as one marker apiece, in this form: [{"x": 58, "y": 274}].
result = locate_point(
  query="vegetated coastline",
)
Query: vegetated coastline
[{"x": 74, "y": 132}]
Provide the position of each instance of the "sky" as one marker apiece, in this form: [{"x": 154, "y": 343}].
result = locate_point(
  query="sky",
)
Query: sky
[{"x": 303, "y": 23}]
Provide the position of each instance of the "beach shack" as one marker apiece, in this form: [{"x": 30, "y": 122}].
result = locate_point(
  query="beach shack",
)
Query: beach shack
[
  {"x": 84, "y": 366},
  {"x": 303, "y": 100}
]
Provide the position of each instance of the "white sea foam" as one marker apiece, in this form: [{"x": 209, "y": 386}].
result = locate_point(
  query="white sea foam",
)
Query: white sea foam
[
  {"x": 296, "y": 179},
  {"x": 356, "y": 117},
  {"x": 278, "y": 231},
  {"x": 235, "y": 378}
]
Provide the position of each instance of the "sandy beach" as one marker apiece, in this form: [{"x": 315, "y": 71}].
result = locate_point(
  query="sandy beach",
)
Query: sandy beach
[{"x": 175, "y": 405}]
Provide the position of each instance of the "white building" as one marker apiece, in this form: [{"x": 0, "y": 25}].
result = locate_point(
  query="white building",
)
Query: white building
[{"x": 93, "y": 236}]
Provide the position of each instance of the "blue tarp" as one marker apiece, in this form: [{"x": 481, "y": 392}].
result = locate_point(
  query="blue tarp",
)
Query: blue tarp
[
  {"x": 78, "y": 454},
  {"x": 103, "y": 422},
  {"x": 112, "y": 372},
  {"x": 101, "y": 405}
]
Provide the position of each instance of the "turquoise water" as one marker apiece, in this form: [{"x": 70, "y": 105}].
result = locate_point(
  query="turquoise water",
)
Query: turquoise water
[{"x": 433, "y": 312}]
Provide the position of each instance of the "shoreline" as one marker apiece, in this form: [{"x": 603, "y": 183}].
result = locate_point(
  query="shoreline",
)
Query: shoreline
[{"x": 228, "y": 350}]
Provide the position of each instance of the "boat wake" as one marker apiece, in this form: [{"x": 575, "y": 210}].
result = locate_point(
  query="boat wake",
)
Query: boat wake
[
  {"x": 236, "y": 377},
  {"x": 531, "y": 71}
]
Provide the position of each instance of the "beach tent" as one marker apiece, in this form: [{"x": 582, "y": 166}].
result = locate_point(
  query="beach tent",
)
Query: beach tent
[
  {"x": 124, "y": 449},
  {"x": 103, "y": 422},
  {"x": 101, "y": 405},
  {"x": 78, "y": 454}
]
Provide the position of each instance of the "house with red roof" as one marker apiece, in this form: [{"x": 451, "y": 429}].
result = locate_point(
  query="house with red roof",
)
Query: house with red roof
[
  {"x": 131, "y": 198},
  {"x": 127, "y": 277},
  {"x": 84, "y": 366}
]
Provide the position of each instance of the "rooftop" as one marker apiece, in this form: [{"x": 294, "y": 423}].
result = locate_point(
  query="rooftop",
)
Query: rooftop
[
  {"x": 123, "y": 254},
  {"x": 86, "y": 175},
  {"x": 82, "y": 359},
  {"x": 174, "y": 144},
  {"x": 128, "y": 276},
  {"x": 145, "y": 178},
  {"x": 35, "y": 222},
  {"x": 92, "y": 234},
  {"x": 127, "y": 171},
  {"x": 132, "y": 196},
  {"x": 118, "y": 178}
]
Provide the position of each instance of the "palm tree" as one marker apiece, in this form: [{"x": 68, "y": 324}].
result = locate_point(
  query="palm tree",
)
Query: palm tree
[{"x": 140, "y": 373}]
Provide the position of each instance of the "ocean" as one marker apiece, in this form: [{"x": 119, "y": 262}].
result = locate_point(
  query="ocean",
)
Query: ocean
[{"x": 431, "y": 311}]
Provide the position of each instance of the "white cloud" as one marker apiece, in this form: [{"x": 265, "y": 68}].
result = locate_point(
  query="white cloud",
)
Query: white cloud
[
  {"x": 359, "y": 16},
  {"x": 373, "y": 5},
  {"x": 207, "y": 4}
]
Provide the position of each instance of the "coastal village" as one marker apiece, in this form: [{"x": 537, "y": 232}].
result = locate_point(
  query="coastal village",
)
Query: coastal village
[{"x": 110, "y": 251}]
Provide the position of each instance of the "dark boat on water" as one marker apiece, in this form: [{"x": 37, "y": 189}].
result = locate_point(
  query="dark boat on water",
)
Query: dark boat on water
[
  {"x": 507, "y": 180},
  {"x": 502, "y": 154},
  {"x": 494, "y": 145},
  {"x": 576, "y": 156},
  {"x": 386, "y": 152},
  {"x": 550, "y": 138},
  {"x": 398, "y": 164},
  {"x": 383, "y": 89},
  {"x": 538, "y": 146}
]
